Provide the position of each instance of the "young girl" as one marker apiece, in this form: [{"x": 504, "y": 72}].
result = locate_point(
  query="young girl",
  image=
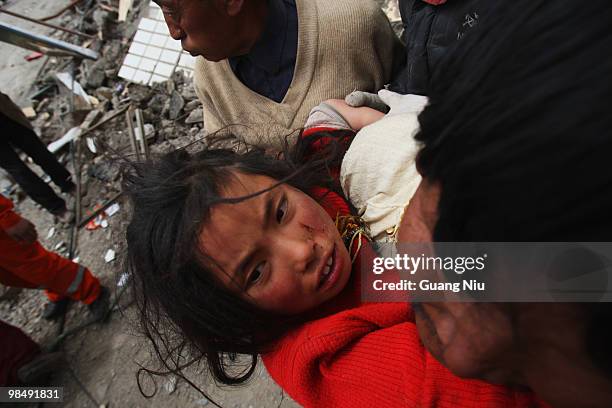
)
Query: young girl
[{"x": 251, "y": 254}]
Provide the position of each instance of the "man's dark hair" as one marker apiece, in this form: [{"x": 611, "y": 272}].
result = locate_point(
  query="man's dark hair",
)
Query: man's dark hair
[{"x": 518, "y": 133}]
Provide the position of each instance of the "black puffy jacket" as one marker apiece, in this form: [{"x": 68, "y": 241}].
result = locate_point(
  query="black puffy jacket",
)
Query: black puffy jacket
[{"x": 428, "y": 33}]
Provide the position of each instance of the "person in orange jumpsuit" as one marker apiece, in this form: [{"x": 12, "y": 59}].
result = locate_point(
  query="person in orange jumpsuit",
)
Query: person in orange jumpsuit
[{"x": 25, "y": 263}]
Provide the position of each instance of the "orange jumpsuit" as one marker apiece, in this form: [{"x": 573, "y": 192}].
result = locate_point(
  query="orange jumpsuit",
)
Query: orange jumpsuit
[{"x": 32, "y": 266}]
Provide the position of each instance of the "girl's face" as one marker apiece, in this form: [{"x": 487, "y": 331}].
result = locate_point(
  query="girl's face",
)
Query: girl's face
[{"x": 279, "y": 250}]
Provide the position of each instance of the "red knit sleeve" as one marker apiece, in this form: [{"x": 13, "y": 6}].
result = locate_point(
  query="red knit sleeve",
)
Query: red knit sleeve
[
  {"x": 360, "y": 358},
  {"x": 8, "y": 217}
]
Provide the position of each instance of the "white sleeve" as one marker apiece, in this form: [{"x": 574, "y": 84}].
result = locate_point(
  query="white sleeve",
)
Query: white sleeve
[{"x": 378, "y": 173}]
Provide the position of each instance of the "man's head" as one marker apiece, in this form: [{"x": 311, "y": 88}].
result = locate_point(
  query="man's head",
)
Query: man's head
[
  {"x": 215, "y": 29},
  {"x": 517, "y": 144}
]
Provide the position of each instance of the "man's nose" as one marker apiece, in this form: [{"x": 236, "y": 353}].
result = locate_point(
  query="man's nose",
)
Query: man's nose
[{"x": 175, "y": 30}]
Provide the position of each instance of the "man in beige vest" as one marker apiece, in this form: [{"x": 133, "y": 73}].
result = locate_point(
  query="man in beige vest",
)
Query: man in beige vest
[{"x": 265, "y": 63}]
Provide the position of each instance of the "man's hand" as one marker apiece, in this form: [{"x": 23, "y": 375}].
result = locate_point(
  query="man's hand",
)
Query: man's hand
[{"x": 23, "y": 231}]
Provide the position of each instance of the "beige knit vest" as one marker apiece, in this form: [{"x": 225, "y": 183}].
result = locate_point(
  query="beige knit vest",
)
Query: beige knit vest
[{"x": 343, "y": 45}]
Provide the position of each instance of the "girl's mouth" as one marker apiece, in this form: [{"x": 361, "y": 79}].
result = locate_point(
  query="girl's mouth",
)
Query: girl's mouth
[{"x": 329, "y": 273}]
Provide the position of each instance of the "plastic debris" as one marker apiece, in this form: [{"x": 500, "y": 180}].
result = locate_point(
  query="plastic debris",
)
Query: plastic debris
[
  {"x": 109, "y": 256},
  {"x": 33, "y": 56},
  {"x": 112, "y": 209},
  {"x": 29, "y": 112},
  {"x": 123, "y": 279},
  {"x": 51, "y": 232},
  {"x": 72, "y": 134}
]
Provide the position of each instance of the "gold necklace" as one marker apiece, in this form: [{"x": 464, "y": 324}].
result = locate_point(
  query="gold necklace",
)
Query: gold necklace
[{"x": 352, "y": 228}]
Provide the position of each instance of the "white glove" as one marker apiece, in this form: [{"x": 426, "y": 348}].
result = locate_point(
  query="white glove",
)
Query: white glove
[
  {"x": 387, "y": 101},
  {"x": 399, "y": 103}
]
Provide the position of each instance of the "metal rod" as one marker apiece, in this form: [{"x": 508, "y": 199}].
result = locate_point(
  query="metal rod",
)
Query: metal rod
[
  {"x": 133, "y": 141},
  {"x": 55, "y": 27},
  {"x": 143, "y": 139}
]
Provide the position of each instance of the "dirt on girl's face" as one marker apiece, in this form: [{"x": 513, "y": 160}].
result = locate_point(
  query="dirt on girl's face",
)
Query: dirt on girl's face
[{"x": 279, "y": 250}]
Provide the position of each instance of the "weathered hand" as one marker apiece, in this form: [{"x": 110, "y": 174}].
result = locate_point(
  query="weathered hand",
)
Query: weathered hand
[{"x": 23, "y": 231}]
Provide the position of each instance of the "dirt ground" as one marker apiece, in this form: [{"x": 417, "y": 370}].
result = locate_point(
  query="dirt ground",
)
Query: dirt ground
[{"x": 103, "y": 358}]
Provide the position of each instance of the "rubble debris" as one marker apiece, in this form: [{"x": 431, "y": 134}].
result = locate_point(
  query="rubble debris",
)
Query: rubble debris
[
  {"x": 112, "y": 210},
  {"x": 96, "y": 75},
  {"x": 124, "y": 8},
  {"x": 33, "y": 56},
  {"x": 83, "y": 100},
  {"x": 175, "y": 105},
  {"x": 123, "y": 279},
  {"x": 51, "y": 232},
  {"x": 196, "y": 116},
  {"x": 64, "y": 140},
  {"x": 191, "y": 105},
  {"x": 29, "y": 112}
]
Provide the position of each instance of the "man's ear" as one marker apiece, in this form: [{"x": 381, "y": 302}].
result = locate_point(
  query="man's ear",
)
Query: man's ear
[{"x": 233, "y": 7}]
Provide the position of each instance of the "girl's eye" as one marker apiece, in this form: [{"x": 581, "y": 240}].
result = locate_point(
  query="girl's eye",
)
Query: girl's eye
[
  {"x": 256, "y": 275},
  {"x": 281, "y": 210}
]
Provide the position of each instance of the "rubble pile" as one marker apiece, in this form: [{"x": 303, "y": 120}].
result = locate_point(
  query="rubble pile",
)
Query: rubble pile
[{"x": 86, "y": 101}]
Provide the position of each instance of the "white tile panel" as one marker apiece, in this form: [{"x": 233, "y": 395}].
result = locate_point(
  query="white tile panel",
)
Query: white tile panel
[
  {"x": 164, "y": 69},
  {"x": 137, "y": 48},
  {"x": 147, "y": 64},
  {"x": 173, "y": 44},
  {"x": 147, "y": 24},
  {"x": 156, "y": 14},
  {"x": 158, "y": 40},
  {"x": 169, "y": 56},
  {"x": 142, "y": 77},
  {"x": 186, "y": 61},
  {"x": 157, "y": 78},
  {"x": 153, "y": 55},
  {"x": 132, "y": 60},
  {"x": 161, "y": 28},
  {"x": 142, "y": 37},
  {"x": 152, "y": 52},
  {"x": 127, "y": 73}
]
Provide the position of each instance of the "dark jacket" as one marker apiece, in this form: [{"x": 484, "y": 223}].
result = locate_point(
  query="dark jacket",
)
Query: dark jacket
[
  {"x": 12, "y": 111},
  {"x": 429, "y": 31}
]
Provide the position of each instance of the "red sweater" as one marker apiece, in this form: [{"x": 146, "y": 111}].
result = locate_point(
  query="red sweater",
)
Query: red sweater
[{"x": 354, "y": 354}]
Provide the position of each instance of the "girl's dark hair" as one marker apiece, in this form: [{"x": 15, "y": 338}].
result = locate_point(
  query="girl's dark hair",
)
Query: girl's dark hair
[
  {"x": 518, "y": 133},
  {"x": 183, "y": 310}
]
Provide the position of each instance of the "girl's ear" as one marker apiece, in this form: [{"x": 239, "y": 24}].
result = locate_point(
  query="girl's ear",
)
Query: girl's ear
[{"x": 233, "y": 7}]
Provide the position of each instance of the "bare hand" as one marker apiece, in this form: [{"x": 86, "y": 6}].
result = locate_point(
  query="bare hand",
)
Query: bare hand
[{"x": 23, "y": 231}]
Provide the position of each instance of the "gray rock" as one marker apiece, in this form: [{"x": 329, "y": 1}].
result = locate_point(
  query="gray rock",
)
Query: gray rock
[
  {"x": 156, "y": 104},
  {"x": 101, "y": 18},
  {"x": 188, "y": 92},
  {"x": 95, "y": 76},
  {"x": 170, "y": 132},
  {"x": 191, "y": 105},
  {"x": 196, "y": 116},
  {"x": 176, "y": 105},
  {"x": 104, "y": 93}
]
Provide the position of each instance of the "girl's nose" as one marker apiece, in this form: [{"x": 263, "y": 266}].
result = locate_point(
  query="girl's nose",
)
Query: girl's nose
[{"x": 300, "y": 253}]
